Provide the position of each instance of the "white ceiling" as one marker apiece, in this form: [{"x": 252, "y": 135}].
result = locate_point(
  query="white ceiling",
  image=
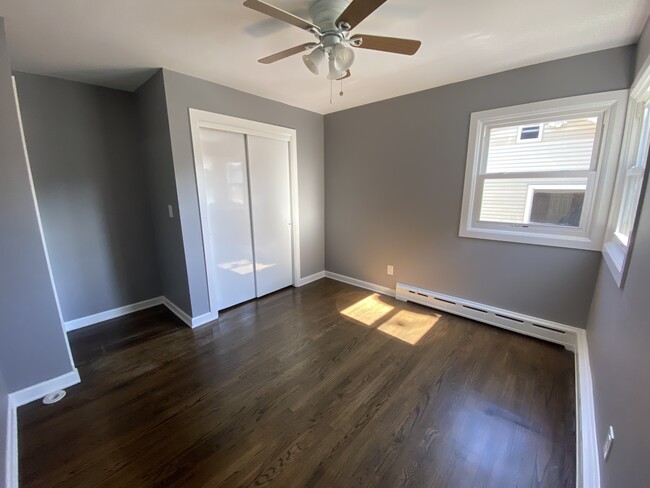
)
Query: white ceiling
[{"x": 118, "y": 43}]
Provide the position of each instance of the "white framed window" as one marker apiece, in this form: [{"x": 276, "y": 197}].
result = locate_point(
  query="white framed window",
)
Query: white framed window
[
  {"x": 555, "y": 192},
  {"x": 630, "y": 180}
]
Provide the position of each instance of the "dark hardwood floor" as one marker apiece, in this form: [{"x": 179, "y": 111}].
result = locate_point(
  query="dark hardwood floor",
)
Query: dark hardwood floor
[{"x": 327, "y": 385}]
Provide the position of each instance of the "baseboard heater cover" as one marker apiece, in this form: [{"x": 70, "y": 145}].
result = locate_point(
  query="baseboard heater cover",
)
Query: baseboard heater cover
[{"x": 516, "y": 322}]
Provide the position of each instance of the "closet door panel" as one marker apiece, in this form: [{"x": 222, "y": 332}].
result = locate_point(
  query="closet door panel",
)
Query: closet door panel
[
  {"x": 270, "y": 189},
  {"x": 229, "y": 218}
]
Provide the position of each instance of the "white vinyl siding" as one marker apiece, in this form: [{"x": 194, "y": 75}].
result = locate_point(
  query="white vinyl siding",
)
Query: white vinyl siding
[
  {"x": 504, "y": 201},
  {"x": 564, "y": 148},
  {"x": 509, "y": 200}
]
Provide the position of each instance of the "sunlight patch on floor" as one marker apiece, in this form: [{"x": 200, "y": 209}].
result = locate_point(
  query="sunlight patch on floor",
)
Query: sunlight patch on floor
[
  {"x": 406, "y": 325},
  {"x": 368, "y": 311},
  {"x": 409, "y": 326}
]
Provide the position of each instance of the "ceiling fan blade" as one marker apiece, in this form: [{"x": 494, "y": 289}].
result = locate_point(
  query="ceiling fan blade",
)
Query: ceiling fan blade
[
  {"x": 348, "y": 73},
  {"x": 387, "y": 44},
  {"x": 359, "y": 10},
  {"x": 286, "y": 53},
  {"x": 279, "y": 14}
]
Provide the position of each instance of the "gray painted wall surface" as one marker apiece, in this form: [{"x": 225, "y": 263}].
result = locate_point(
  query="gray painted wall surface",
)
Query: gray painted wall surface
[
  {"x": 92, "y": 193},
  {"x": 157, "y": 153},
  {"x": 33, "y": 346},
  {"x": 618, "y": 334},
  {"x": 183, "y": 92},
  {"x": 394, "y": 174}
]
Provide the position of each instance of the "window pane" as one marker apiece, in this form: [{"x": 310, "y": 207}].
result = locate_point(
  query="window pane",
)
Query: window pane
[
  {"x": 631, "y": 196},
  {"x": 548, "y": 201},
  {"x": 557, "y": 207},
  {"x": 642, "y": 150},
  {"x": 530, "y": 132},
  {"x": 564, "y": 145}
]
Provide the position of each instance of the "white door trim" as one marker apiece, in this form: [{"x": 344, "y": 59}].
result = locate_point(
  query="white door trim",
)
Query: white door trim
[{"x": 202, "y": 119}]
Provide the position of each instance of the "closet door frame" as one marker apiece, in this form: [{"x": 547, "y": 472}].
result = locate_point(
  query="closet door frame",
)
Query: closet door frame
[{"x": 201, "y": 119}]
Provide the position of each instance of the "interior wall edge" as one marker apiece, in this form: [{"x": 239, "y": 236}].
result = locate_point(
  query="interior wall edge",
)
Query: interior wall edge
[{"x": 156, "y": 150}]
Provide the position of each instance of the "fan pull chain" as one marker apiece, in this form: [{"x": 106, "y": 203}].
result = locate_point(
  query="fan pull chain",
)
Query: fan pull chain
[
  {"x": 331, "y": 91},
  {"x": 341, "y": 92}
]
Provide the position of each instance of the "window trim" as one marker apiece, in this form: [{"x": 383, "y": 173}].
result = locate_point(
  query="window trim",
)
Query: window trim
[
  {"x": 615, "y": 253},
  {"x": 611, "y": 107}
]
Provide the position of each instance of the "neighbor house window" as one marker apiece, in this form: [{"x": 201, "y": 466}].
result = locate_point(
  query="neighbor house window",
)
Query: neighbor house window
[
  {"x": 629, "y": 184},
  {"x": 530, "y": 133},
  {"x": 555, "y": 191}
]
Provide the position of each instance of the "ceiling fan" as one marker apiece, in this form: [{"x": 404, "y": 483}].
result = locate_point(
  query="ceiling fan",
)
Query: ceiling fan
[{"x": 332, "y": 22}]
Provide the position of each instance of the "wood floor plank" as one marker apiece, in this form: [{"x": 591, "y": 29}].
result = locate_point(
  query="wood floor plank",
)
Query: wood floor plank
[{"x": 325, "y": 385}]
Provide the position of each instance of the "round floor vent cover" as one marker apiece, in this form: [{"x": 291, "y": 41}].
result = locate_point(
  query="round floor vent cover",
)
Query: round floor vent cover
[{"x": 54, "y": 397}]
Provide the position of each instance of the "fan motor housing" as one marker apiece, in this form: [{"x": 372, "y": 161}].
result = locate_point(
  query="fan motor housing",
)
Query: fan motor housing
[{"x": 324, "y": 13}]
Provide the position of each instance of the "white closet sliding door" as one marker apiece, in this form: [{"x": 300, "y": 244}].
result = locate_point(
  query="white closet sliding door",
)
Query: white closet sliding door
[
  {"x": 245, "y": 198},
  {"x": 228, "y": 216},
  {"x": 270, "y": 194}
]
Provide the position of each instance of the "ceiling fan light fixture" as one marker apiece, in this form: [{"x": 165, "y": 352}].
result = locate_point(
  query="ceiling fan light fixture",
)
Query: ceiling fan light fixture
[
  {"x": 314, "y": 59},
  {"x": 335, "y": 73},
  {"x": 343, "y": 57}
]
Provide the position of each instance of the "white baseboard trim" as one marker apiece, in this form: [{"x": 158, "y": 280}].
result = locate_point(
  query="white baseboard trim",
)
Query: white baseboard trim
[
  {"x": 176, "y": 310},
  {"x": 111, "y": 314},
  {"x": 361, "y": 284},
  {"x": 192, "y": 322},
  {"x": 499, "y": 317},
  {"x": 588, "y": 454},
  {"x": 310, "y": 279},
  {"x": 204, "y": 319},
  {"x": 38, "y": 391},
  {"x": 135, "y": 307},
  {"x": 23, "y": 397},
  {"x": 11, "y": 454}
]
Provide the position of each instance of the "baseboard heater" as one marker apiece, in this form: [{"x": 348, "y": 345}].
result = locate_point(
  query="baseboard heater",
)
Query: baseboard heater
[{"x": 516, "y": 322}]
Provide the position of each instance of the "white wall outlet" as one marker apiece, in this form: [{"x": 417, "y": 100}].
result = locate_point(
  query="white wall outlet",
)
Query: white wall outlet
[
  {"x": 389, "y": 270},
  {"x": 608, "y": 443},
  {"x": 170, "y": 209}
]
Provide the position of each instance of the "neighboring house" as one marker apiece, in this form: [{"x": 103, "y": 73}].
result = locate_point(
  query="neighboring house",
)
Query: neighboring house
[{"x": 562, "y": 145}]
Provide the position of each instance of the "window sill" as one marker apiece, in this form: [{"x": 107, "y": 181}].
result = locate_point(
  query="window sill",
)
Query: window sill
[
  {"x": 614, "y": 256},
  {"x": 539, "y": 239}
]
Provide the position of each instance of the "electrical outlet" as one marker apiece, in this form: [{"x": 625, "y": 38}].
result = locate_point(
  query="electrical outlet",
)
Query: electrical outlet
[
  {"x": 170, "y": 209},
  {"x": 389, "y": 270},
  {"x": 608, "y": 443}
]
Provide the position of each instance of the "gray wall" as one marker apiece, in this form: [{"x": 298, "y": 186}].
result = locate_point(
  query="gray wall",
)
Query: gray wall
[
  {"x": 33, "y": 346},
  {"x": 92, "y": 193},
  {"x": 394, "y": 173},
  {"x": 183, "y": 92},
  {"x": 157, "y": 153},
  {"x": 618, "y": 333}
]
